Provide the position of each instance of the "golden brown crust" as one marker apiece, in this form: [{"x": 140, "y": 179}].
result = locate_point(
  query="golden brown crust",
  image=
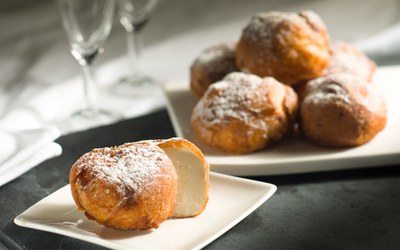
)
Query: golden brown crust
[
  {"x": 341, "y": 110},
  {"x": 213, "y": 64},
  {"x": 348, "y": 59},
  {"x": 290, "y": 47},
  {"x": 244, "y": 113},
  {"x": 131, "y": 186}
]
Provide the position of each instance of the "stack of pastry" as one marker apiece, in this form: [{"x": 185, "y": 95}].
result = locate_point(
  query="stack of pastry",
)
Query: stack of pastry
[{"x": 284, "y": 71}]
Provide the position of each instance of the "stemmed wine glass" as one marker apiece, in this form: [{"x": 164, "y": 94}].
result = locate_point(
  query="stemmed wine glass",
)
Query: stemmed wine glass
[
  {"x": 87, "y": 24},
  {"x": 134, "y": 15}
]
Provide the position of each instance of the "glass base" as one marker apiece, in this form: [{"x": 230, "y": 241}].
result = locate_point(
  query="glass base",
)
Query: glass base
[
  {"x": 135, "y": 85},
  {"x": 85, "y": 119}
]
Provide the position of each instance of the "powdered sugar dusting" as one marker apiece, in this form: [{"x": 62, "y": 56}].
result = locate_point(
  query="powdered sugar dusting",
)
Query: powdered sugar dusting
[
  {"x": 313, "y": 20},
  {"x": 231, "y": 98},
  {"x": 264, "y": 27},
  {"x": 130, "y": 167},
  {"x": 219, "y": 57},
  {"x": 261, "y": 30},
  {"x": 345, "y": 88},
  {"x": 330, "y": 93},
  {"x": 329, "y": 89}
]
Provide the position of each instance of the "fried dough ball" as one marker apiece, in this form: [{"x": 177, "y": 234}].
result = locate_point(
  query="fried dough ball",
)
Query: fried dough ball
[
  {"x": 341, "y": 110},
  {"x": 348, "y": 59},
  {"x": 127, "y": 187},
  {"x": 290, "y": 47},
  {"x": 213, "y": 64},
  {"x": 244, "y": 113}
]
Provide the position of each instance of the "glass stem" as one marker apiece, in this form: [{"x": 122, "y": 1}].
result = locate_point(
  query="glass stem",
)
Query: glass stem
[
  {"x": 134, "y": 41},
  {"x": 89, "y": 87}
]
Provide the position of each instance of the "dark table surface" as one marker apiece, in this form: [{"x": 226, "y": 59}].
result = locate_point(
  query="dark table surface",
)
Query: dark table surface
[{"x": 352, "y": 209}]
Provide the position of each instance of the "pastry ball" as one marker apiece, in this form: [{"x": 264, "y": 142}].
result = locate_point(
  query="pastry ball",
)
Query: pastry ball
[
  {"x": 346, "y": 58},
  {"x": 244, "y": 113},
  {"x": 341, "y": 110},
  {"x": 127, "y": 187},
  {"x": 213, "y": 64},
  {"x": 290, "y": 47}
]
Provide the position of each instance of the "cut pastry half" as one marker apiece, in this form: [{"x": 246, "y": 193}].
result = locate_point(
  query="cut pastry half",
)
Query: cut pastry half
[{"x": 193, "y": 176}]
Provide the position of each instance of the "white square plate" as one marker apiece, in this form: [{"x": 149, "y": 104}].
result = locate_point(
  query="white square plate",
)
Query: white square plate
[
  {"x": 231, "y": 199},
  {"x": 295, "y": 154}
]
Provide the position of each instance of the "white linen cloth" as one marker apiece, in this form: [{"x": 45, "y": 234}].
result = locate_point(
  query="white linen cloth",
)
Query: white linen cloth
[
  {"x": 53, "y": 104},
  {"x": 28, "y": 131},
  {"x": 40, "y": 81},
  {"x": 23, "y": 150}
]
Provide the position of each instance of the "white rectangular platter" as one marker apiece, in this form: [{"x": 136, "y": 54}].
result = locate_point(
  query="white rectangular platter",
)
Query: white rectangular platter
[{"x": 296, "y": 155}]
